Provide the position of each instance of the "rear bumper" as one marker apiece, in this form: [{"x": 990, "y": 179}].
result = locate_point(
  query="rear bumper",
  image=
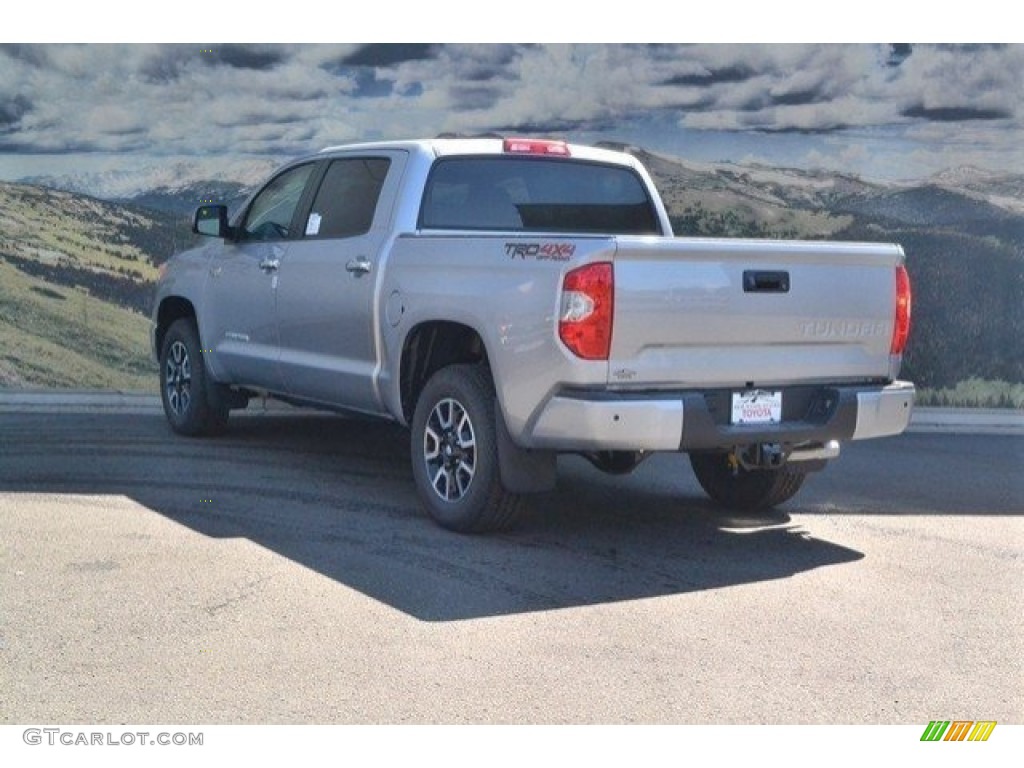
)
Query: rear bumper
[
  {"x": 884, "y": 412},
  {"x": 696, "y": 421}
]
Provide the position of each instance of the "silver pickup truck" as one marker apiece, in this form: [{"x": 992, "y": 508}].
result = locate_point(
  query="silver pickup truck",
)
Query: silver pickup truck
[{"x": 512, "y": 299}]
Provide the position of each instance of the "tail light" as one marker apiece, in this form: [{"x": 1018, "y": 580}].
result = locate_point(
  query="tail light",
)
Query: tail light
[
  {"x": 901, "y": 326},
  {"x": 536, "y": 147},
  {"x": 585, "y": 319}
]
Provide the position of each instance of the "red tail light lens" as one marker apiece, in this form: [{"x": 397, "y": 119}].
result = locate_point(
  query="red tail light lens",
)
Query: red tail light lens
[
  {"x": 901, "y": 327},
  {"x": 585, "y": 319}
]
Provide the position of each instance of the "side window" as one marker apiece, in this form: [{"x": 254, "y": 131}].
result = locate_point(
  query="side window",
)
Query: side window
[
  {"x": 347, "y": 198},
  {"x": 270, "y": 215}
]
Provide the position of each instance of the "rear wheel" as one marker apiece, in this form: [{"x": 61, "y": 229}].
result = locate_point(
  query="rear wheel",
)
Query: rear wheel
[
  {"x": 737, "y": 488},
  {"x": 455, "y": 452},
  {"x": 193, "y": 403}
]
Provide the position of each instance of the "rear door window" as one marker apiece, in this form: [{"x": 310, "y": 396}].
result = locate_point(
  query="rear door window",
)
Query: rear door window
[
  {"x": 347, "y": 198},
  {"x": 536, "y": 195}
]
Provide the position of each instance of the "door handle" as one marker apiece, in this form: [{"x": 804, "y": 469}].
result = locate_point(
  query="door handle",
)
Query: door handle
[
  {"x": 358, "y": 266},
  {"x": 764, "y": 281},
  {"x": 270, "y": 265}
]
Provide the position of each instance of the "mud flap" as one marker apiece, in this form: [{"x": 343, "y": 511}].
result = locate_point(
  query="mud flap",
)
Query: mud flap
[{"x": 522, "y": 470}]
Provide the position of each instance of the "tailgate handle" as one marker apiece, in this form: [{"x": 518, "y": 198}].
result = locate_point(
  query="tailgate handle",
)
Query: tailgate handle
[{"x": 757, "y": 281}]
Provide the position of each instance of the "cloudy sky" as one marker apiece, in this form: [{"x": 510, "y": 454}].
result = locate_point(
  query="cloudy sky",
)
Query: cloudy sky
[{"x": 886, "y": 111}]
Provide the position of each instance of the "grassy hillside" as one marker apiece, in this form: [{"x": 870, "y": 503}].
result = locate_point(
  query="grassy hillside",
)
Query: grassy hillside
[
  {"x": 62, "y": 229},
  {"x": 76, "y": 277},
  {"x": 57, "y": 337}
]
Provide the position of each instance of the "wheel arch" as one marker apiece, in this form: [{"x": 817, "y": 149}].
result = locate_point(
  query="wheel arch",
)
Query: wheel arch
[
  {"x": 430, "y": 346},
  {"x": 433, "y": 345},
  {"x": 171, "y": 309}
]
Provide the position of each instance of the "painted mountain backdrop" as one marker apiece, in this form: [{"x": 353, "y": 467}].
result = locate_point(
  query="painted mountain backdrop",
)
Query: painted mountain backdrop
[{"x": 76, "y": 271}]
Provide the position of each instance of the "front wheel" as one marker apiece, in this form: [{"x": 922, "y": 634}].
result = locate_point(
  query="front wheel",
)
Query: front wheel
[
  {"x": 737, "y": 488},
  {"x": 193, "y": 403},
  {"x": 455, "y": 452}
]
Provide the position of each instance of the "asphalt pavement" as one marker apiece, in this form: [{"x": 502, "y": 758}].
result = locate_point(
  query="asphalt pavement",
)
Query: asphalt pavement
[{"x": 285, "y": 574}]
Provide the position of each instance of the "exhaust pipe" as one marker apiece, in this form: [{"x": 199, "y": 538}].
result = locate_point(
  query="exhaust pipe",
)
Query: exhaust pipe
[{"x": 826, "y": 452}]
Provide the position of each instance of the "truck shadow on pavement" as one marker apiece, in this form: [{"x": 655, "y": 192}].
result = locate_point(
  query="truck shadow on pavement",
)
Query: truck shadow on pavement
[{"x": 336, "y": 496}]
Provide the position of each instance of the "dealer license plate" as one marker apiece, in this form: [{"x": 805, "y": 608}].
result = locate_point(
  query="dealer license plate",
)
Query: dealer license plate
[{"x": 757, "y": 406}]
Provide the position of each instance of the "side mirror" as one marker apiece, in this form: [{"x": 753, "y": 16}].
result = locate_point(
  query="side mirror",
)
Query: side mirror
[{"x": 212, "y": 221}]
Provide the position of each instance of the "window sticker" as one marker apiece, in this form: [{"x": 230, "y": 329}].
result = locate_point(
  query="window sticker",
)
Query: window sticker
[{"x": 313, "y": 224}]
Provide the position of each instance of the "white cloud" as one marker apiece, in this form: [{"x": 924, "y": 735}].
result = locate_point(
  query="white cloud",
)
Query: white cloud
[{"x": 178, "y": 99}]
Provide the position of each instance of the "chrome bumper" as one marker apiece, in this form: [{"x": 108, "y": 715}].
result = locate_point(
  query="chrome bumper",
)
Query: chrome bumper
[
  {"x": 884, "y": 412},
  {"x": 685, "y": 421}
]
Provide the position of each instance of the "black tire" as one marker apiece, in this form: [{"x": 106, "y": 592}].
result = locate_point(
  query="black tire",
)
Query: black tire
[
  {"x": 455, "y": 452},
  {"x": 743, "y": 489},
  {"x": 194, "y": 404}
]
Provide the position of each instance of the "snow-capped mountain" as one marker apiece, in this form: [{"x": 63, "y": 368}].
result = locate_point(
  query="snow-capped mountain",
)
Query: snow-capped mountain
[
  {"x": 1001, "y": 189},
  {"x": 171, "y": 177}
]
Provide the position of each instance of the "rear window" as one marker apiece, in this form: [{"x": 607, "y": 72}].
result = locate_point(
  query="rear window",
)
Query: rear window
[{"x": 536, "y": 195}]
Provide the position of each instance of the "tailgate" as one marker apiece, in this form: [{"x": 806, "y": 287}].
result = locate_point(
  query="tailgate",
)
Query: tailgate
[{"x": 728, "y": 313}]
